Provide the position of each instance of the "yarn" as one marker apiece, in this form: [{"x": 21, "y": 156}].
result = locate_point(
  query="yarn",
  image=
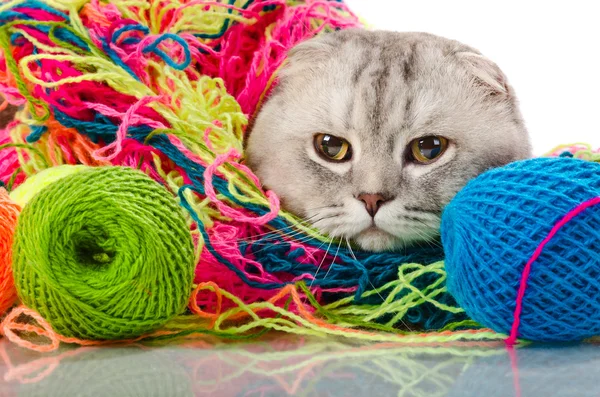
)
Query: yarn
[
  {"x": 9, "y": 211},
  {"x": 37, "y": 182},
  {"x": 170, "y": 93},
  {"x": 491, "y": 230},
  {"x": 103, "y": 253},
  {"x": 581, "y": 151},
  {"x": 168, "y": 87}
]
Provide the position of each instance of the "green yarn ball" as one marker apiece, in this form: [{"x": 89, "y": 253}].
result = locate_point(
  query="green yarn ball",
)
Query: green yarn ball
[{"x": 104, "y": 254}]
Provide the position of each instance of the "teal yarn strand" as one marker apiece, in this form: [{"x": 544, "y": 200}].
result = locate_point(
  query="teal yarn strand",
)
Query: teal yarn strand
[{"x": 104, "y": 254}]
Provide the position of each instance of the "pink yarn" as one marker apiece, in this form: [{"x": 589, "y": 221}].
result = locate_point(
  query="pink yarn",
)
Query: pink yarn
[
  {"x": 245, "y": 57},
  {"x": 9, "y": 161},
  {"x": 232, "y": 212},
  {"x": 572, "y": 149},
  {"x": 514, "y": 333}
]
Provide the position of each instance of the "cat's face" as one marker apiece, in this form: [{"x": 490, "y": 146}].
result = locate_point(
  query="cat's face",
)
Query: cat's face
[{"x": 370, "y": 134}]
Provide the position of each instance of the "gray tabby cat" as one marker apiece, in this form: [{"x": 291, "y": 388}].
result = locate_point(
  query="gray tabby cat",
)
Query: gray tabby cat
[{"x": 370, "y": 134}]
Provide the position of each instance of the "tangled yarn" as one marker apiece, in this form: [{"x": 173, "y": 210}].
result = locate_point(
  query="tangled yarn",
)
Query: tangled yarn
[
  {"x": 9, "y": 211},
  {"x": 168, "y": 86},
  {"x": 104, "y": 253},
  {"x": 494, "y": 225}
]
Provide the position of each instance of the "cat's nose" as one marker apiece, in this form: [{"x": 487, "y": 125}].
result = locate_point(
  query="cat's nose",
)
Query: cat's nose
[{"x": 372, "y": 202}]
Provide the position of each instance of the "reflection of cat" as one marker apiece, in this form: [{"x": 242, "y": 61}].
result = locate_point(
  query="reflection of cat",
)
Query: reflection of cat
[{"x": 369, "y": 134}]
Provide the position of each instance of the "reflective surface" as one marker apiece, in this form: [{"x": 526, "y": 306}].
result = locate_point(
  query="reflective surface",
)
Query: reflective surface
[{"x": 299, "y": 367}]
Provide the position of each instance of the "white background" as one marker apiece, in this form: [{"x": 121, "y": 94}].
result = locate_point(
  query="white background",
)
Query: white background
[{"x": 550, "y": 51}]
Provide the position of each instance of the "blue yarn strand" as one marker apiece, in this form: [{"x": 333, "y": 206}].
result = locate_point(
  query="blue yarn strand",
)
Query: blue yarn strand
[
  {"x": 165, "y": 57},
  {"x": 36, "y": 133}
]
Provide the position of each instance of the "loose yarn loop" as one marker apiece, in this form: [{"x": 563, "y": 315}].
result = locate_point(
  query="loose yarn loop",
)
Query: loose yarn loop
[
  {"x": 499, "y": 220},
  {"x": 104, "y": 253},
  {"x": 9, "y": 211}
]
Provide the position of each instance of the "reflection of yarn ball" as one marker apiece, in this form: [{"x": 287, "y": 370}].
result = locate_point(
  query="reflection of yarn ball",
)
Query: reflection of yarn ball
[
  {"x": 9, "y": 212},
  {"x": 548, "y": 371},
  {"x": 116, "y": 371},
  {"x": 493, "y": 226},
  {"x": 104, "y": 254}
]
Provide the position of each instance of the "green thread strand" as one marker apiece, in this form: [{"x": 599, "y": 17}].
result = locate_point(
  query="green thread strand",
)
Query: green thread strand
[{"x": 11, "y": 64}]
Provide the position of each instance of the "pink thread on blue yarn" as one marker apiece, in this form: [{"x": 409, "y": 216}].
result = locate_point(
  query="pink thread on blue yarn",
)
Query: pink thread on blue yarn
[{"x": 511, "y": 340}]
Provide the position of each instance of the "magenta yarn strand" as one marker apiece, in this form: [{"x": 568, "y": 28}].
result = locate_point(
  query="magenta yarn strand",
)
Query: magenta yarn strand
[{"x": 511, "y": 340}]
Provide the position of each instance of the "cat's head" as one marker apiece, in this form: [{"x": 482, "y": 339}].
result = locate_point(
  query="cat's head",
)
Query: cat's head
[{"x": 368, "y": 135}]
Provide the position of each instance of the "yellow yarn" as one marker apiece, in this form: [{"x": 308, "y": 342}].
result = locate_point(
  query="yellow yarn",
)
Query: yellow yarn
[{"x": 37, "y": 182}]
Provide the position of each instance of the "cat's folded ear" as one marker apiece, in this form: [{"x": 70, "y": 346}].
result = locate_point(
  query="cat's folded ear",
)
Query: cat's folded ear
[
  {"x": 485, "y": 73},
  {"x": 306, "y": 55}
]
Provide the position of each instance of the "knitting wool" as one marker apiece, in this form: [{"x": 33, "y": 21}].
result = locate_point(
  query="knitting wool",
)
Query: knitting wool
[
  {"x": 494, "y": 225},
  {"x": 168, "y": 87},
  {"x": 9, "y": 211},
  {"x": 37, "y": 182},
  {"x": 104, "y": 253}
]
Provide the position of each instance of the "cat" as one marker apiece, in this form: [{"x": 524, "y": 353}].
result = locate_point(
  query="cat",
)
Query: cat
[{"x": 369, "y": 134}]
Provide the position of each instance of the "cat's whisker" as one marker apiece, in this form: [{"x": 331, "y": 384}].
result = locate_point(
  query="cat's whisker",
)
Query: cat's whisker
[
  {"x": 327, "y": 217},
  {"x": 427, "y": 239},
  {"x": 370, "y": 283},
  {"x": 257, "y": 237},
  {"x": 324, "y": 207},
  {"x": 436, "y": 212},
  {"x": 300, "y": 221},
  {"x": 300, "y": 240},
  {"x": 419, "y": 216},
  {"x": 267, "y": 245},
  {"x": 264, "y": 245},
  {"x": 321, "y": 264},
  {"x": 333, "y": 261},
  {"x": 307, "y": 256}
]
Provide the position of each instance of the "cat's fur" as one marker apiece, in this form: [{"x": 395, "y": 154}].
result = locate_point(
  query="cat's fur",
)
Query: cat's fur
[{"x": 380, "y": 90}]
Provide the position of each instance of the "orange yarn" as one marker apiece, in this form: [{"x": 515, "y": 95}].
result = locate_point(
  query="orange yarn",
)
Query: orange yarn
[
  {"x": 73, "y": 147},
  {"x": 9, "y": 212}
]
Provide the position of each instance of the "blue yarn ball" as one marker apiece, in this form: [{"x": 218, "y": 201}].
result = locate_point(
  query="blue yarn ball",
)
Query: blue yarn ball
[{"x": 491, "y": 229}]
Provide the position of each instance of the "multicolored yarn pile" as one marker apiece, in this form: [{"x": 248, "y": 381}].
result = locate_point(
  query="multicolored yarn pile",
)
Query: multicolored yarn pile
[{"x": 168, "y": 87}]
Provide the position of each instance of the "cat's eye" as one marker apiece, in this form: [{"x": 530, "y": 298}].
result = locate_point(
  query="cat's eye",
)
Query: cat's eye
[
  {"x": 427, "y": 149},
  {"x": 332, "y": 148}
]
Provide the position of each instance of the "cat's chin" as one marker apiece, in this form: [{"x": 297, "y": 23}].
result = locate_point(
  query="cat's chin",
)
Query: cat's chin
[{"x": 377, "y": 240}]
